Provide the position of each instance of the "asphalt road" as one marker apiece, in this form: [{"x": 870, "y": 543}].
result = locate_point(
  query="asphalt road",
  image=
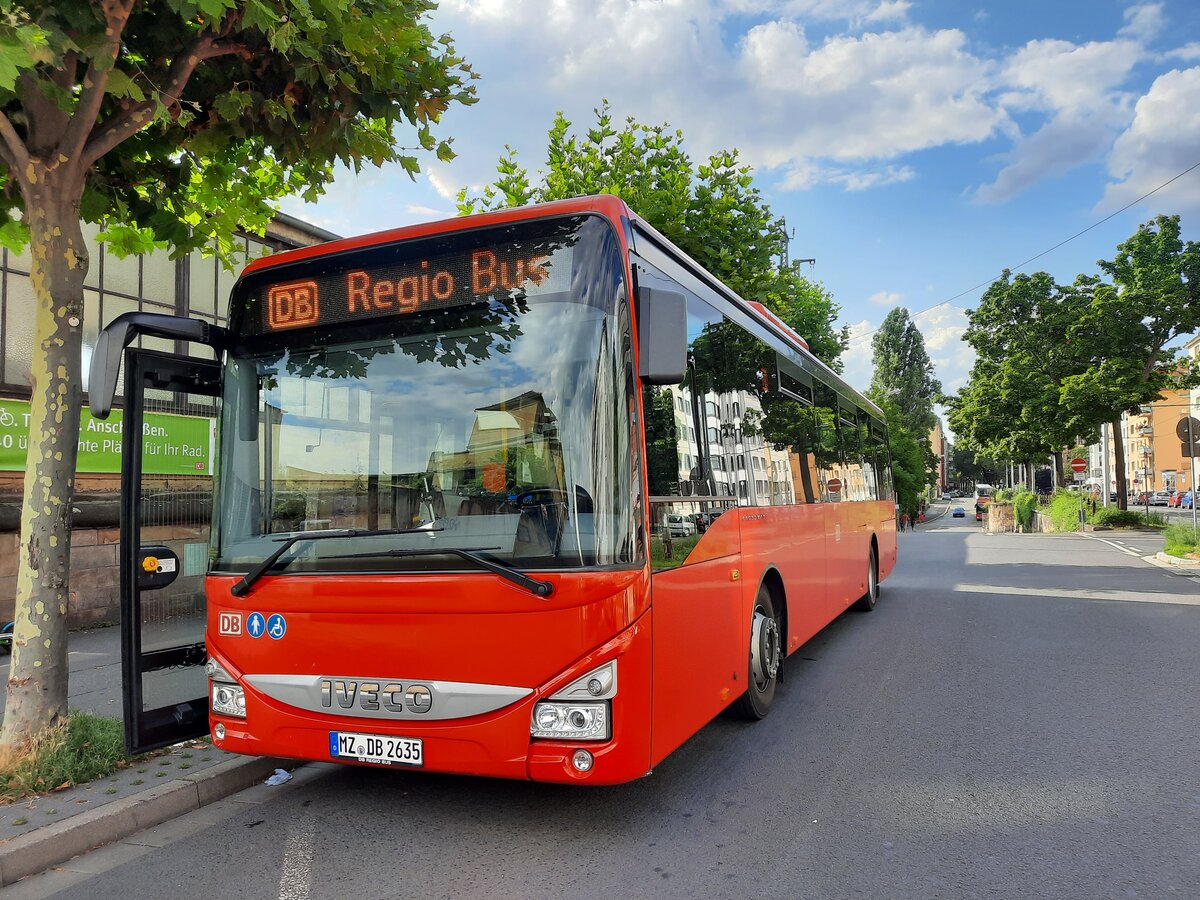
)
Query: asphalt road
[{"x": 1019, "y": 717}]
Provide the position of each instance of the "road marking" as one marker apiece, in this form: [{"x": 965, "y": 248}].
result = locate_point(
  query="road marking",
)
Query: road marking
[
  {"x": 1077, "y": 594},
  {"x": 1113, "y": 544},
  {"x": 295, "y": 879}
]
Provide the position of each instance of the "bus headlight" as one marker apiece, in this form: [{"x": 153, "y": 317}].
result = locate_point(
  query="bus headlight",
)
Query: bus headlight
[
  {"x": 228, "y": 699},
  {"x": 571, "y": 721}
]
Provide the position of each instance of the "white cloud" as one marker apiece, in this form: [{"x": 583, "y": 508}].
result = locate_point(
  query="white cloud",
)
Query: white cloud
[
  {"x": 857, "y": 360},
  {"x": 942, "y": 327},
  {"x": 1144, "y": 21},
  {"x": 863, "y": 97},
  {"x": 1060, "y": 75},
  {"x": 1160, "y": 143},
  {"x": 849, "y": 106},
  {"x": 1186, "y": 53},
  {"x": 890, "y": 9},
  {"x": 805, "y": 174},
  {"x": 886, "y": 298},
  {"x": 1054, "y": 149},
  {"x": 1079, "y": 88}
]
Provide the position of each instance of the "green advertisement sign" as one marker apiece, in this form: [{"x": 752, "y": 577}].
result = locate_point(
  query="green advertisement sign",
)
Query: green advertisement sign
[{"x": 172, "y": 445}]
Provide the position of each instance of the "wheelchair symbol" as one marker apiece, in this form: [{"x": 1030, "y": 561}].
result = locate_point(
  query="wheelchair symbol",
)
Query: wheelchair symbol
[{"x": 276, "y": 626}]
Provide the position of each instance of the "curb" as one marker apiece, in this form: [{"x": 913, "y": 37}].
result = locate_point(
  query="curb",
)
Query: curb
[
  {"x": 1177, "y": 563},
  {"x": 38, "y": 850}
]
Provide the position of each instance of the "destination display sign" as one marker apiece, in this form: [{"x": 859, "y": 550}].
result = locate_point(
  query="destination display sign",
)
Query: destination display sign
[{"x": 415, "y": 286}]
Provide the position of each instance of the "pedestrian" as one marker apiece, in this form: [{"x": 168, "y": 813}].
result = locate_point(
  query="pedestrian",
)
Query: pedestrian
[
  {"x": 922, "y": 519},
  {"x": 904, "y": 522}
]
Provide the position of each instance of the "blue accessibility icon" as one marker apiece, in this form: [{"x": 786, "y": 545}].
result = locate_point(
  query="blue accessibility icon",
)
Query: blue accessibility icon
[
  {"x": 276, "y": 626},
  {"x": 256, "y": 624}
]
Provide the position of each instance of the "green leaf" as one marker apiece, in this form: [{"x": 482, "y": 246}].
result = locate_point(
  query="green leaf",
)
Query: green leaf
[
  {"x": 14, "y": 234},
  {"x": 121, "y": 85}
]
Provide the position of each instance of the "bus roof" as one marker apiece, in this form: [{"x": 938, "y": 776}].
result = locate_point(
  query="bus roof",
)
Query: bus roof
[{"x": 607, "y": 205}]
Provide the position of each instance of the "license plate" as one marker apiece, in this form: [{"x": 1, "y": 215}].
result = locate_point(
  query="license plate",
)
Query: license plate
[{"x": 380, "y": 749}]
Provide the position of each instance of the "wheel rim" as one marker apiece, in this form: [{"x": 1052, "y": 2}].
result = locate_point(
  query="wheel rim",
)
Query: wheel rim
[{"x": 764, "y": 650}]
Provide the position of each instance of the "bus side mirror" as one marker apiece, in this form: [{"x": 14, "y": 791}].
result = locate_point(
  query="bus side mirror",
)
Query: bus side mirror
[
  {"x": 662, "y": 336},
  {"x": 120, "y": 333}
]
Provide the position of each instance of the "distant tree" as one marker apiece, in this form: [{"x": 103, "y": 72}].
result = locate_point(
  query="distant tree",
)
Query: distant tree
[
  {"x": 968, "y": 468},
  {"x": 172, "y": 123},
  {"x": 712, "y": 211},
  {"x": 1126, "y": 329},
  {"x": 911, "y": 457},
  {"x": 903, "y": 370}
]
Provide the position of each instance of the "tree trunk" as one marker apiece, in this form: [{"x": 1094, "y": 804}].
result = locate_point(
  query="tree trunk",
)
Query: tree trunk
[
  {"x": 37, "y": 683},
  {"x": 1060, "y": 473},
  {"x": 1119, "y": 465}
]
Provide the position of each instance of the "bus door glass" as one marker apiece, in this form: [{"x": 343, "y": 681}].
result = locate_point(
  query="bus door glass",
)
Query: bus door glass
[{"x": 167, "y": 496}]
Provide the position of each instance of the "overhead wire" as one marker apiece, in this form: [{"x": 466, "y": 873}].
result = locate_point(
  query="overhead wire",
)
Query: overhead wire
[{"x": 1021, "y": 265}]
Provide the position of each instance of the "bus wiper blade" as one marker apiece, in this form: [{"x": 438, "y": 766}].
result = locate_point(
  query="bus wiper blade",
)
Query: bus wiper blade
[
  {"x": 508, "y": 573},
  {"x": 243, "y": 587}
]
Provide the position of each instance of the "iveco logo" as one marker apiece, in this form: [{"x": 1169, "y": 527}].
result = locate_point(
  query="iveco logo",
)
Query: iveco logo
[{"x": 373, "y": 695}]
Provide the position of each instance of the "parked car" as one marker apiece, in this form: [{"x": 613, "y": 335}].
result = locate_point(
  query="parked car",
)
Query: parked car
[
  {"x": 947, "y": 496},
  {"x": 1175, "y": 498},
  {"x": 959, "y": 513},
  {"x": 679, "y": 526},
  {"x": 1160, "y": 498}
]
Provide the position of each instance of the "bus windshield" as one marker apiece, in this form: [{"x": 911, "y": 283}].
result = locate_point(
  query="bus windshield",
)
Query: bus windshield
[{"x": 493, "y": 419}]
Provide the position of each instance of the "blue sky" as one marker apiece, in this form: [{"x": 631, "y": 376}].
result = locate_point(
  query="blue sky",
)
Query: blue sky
[{"x": 917, "y": 148}]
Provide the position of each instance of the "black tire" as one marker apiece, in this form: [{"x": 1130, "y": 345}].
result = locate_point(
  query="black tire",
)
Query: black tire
[
  {"x": 866, "y": 602},
  {"x": 764, "y": 659}
]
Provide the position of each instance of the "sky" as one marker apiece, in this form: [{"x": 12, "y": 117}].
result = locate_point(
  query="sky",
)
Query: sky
[{"x": 916, "y": 147}]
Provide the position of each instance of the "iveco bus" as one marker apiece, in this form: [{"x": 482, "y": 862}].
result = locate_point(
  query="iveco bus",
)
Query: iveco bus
[{"x": 449, "y": 463}]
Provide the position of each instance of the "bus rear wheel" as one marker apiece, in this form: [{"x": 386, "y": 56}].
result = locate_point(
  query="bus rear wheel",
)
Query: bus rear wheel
[
  {"x": 866, "y": 602},
  {"x": 766, "y": 656}
]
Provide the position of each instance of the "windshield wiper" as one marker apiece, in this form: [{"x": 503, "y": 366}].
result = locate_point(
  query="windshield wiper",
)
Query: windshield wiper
[
  {"x": 508, "y": 573},
  {"x": 243, "y": 587}
]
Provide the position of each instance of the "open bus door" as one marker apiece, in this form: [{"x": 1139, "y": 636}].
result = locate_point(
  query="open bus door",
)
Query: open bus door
[
  {"x": 166, "y": 510},
  {"x": 171, "y": 404}
]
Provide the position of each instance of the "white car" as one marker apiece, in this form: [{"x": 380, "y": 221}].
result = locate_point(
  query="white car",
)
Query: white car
[{"x": 678, "y": 526}]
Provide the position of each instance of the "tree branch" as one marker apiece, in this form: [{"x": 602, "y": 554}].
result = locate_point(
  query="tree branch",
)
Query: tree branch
[
  {"x": 95, "y": 80},
  {"x": 12, "y": 149},
  {"x": 130, "y": 121}
]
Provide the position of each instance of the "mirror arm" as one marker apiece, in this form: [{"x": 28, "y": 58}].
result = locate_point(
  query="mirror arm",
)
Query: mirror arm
[{"x": 120, "y": 333}]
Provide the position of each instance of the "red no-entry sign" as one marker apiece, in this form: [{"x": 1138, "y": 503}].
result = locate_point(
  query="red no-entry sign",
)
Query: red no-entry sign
[
  {"x": 1078, "y": 464},
  {"x": 834, "y": 485}
]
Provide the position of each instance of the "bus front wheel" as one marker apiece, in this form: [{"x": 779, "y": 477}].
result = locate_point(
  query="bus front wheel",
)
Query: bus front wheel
[{"x": 766, "y": 655}]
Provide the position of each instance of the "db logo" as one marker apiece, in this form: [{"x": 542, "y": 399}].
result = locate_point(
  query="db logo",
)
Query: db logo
[
  {"x": 292, "y": 305},
  {"x": 229, "y": 623}
]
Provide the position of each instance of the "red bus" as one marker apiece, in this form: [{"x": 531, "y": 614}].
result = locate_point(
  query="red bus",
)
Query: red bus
[{"x": 527, "y": 494}]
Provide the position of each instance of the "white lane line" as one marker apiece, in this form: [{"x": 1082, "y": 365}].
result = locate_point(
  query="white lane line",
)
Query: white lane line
[
  {"x": 295, "y": 878},
  {"x": 1113, "y": 544},
  {"x": 1079, "y": 594}
]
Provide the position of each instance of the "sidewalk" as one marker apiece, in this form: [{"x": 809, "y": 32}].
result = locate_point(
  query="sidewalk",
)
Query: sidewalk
[{"x": 45, "y": 831}]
